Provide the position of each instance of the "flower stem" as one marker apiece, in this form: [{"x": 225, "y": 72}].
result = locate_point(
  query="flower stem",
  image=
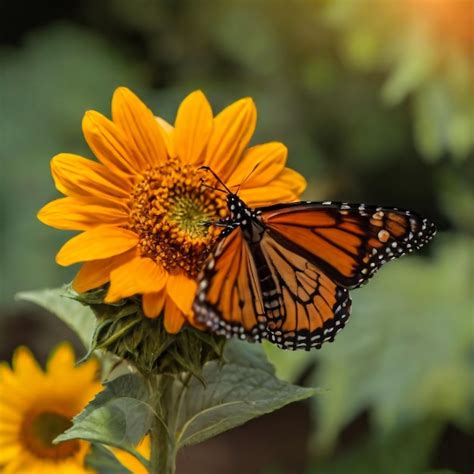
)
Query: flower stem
[
  {"x": 163, "y": 452},
  {"x": 163, "y": 447}
]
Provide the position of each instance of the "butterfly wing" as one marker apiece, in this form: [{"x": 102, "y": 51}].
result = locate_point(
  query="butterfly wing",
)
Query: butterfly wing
[
  {"x": 348, "y": 242},
  {"x": 257, "y": 290},
  {"x": 229, "y": 297},
  {"x": 311, "y": 307}
]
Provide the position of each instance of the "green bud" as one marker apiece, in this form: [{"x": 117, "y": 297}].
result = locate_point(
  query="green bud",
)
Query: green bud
[{"x": 123, "y": 330}]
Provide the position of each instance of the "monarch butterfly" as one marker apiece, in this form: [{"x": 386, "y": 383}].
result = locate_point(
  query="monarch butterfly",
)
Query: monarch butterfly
[{"x": 283, "y": 272}]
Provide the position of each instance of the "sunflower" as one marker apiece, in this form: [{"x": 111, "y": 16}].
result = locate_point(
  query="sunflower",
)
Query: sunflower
[
  {"x": 143, "y": 209},
  {"x": 131, "y": 462},
  {"x": 36, "y": 406}
]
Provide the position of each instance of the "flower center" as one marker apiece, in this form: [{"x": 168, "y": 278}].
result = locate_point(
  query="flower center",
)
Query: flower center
[
  {"x": 170, "y": 210},
  {"x": 39, "y": 431}
]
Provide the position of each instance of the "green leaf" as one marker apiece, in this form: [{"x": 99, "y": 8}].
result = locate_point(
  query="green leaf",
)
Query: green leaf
[
  {"x": 247, "y": 354},
  {"x": 406, "y": 353},
  {"x": 78, "y": 317},
  {"x": 103, "y": 461},
  {"x": 289, "y": 365},
  {"x": 234, "y": 393},
  {"x": 119, "y": 416}
]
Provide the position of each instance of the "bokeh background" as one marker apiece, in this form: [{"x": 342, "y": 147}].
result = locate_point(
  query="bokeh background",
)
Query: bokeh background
[{"x": 375, "y": 101}]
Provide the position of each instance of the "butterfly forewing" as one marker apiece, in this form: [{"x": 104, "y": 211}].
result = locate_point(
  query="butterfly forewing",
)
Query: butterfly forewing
[
  {"x": 229, "y": 299},
  {"x": 349, "y": 242}
]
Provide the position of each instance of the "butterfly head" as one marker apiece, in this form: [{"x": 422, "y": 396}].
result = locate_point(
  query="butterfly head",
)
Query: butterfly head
[{"x": 239, "y": 211}]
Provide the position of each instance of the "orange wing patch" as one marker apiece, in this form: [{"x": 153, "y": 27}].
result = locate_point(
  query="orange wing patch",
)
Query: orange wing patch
[
  {"x": 312, "y": 306},
  {"x": 229, "y": 299},
  {"x": 347, "y": 242}
]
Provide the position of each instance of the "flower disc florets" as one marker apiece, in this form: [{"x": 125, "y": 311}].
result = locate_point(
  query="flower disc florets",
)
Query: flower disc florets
[{"x": 171, "y": 211}]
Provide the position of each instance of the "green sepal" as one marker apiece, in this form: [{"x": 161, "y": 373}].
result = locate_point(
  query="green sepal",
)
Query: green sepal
[{"x": 123, "y": 330}]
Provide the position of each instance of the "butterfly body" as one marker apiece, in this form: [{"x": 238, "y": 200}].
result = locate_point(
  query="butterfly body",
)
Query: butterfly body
[
  {"x": 283, "y": 272},
  {"x": 253, "y": 230}
]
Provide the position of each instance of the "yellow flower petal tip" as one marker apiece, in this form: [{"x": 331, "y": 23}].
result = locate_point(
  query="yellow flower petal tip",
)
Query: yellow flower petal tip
[{"x": 144, "y": 197}]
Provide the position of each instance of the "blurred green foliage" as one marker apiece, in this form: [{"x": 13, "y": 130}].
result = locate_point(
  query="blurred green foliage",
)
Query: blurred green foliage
[
  {"x": 375, "y": 104},
  {"x": 46, "y": 86},
  {"x": 406, "y": 354},
  {"x": 425, "y": 49},
  {"x": 391, "y": 454}
]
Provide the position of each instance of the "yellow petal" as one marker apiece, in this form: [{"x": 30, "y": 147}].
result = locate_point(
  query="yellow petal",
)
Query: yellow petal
[
  {"x": 10, "y": 416},
  {"x": 23, "y": 463},
  {"x": 97, "y": 272},
  {"x": 82, "y": 213},
  {"x": 182, "y": 290},
  {"x": 287, "y": 187},
  {"x": 193, "y": 127},
  {"x": 174, "y": 318},
  {"x": 76, "y": 176},
  {"x": 131, "y": 462},
  {"x": 110, "y": 144},
  {"x": 140, "y": 275},
  {"x": 259, "y": 165},
  {"x": 168, "y": 130},
  {"x": 24, "y": 364},
  {"x": 166, "y": 126},
  {"x": 233, "y": 129},
  {"x": 68, "y": 466},
  {"x": 140, "y": 126},
  {"x": 7, "y": 453},
  {"x": 94, "y": 244},
  {"x": 61, "y": 359},
  {"x": 153, "y": 303}
]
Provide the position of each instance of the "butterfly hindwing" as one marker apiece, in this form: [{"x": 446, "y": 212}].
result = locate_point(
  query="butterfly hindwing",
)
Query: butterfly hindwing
[{"x": 311, "y": 306}]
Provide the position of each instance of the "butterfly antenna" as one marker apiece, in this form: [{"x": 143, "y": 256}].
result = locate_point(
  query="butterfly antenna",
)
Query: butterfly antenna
[
  {"x": 247, "y": 177},
  {"x": 206, "y": 168},
  {"x": 204, "y": 185}
]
